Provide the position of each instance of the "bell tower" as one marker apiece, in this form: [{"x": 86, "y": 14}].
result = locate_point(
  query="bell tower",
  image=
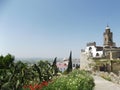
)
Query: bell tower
[{"x": 108, "y": 37}]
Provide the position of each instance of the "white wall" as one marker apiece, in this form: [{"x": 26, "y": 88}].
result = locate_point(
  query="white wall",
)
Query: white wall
[{"x": 93, "y": 51}]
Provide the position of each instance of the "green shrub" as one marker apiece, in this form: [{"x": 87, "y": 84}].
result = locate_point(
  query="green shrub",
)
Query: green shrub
[{"x": 76, "y": 80}]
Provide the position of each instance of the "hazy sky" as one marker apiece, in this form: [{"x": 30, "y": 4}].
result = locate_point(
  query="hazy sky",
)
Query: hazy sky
[{"x": 50, "y": 28}]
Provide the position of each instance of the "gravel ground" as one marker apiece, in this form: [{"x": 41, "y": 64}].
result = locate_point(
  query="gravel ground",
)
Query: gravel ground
[{"x": 102, "y": 84}]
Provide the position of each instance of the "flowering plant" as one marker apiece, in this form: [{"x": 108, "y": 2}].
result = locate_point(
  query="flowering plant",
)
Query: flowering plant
[
  {"x": 36, "y": 86},
  {"x": 76, "y": 80}
]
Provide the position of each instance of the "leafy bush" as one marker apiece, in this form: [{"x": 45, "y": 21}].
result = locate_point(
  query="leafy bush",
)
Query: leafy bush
[
  {"x": 76, "y": 80},
  {"x": 13, "y": 76}
]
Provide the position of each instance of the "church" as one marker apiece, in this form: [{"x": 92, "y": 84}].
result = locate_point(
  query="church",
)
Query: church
[{"x": 109, "y": 49}]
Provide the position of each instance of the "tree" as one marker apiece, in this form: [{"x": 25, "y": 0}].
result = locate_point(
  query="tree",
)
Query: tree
[
  {"x": 77, "y": 66},
  {"x": 6, "y": 61},
  {"x": 55, "y": 61},
  {"x": 55, "y": 66},
  {"x": 1, "y": 61},
  {"x": 69, "y": 69}
]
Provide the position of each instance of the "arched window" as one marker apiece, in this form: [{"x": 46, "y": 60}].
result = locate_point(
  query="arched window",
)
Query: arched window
[
  {"x": 90, "y": 48},
  {"x": 97, "y": 54}
]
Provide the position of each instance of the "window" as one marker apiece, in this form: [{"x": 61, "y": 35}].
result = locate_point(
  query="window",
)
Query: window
[
  {"x": 90, "y": 48},
  {"x": 97, "y": 54}
]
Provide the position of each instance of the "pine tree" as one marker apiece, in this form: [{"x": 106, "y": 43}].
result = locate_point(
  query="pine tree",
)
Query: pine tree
[{"x": 69, "y": 69}]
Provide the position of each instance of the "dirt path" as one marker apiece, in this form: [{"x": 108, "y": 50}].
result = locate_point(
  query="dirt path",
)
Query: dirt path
[{"x": 102, "y": 84}]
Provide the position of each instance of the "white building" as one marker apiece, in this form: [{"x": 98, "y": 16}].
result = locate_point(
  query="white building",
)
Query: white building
[
  {"x": 94, "y": 51},
  {"x": 62, "y": 66}
]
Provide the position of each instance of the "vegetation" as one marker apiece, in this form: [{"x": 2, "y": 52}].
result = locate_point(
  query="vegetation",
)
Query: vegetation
[
  {"x": 55, "y": 66},
  {"x": 6, "y": 62},
  {"x": 76, "y": 80},
  {"x": 13, "y": 76},
  {"x": 42, "y": 76},
  {"x": 69, "y": 69}
]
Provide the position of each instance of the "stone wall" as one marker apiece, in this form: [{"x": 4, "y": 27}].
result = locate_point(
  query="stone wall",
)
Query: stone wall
[
  {"x": 115, "y": 66},
  {"x": 107, "y": 65},
  {"x": 85, "y": 61}
]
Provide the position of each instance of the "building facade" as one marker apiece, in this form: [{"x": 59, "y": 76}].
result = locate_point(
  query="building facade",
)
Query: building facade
[
  {"x": 94, "y": 51},
  {"x": 108, "y": 50},
  {"x": 108, "y": 38},
  {"x": 63, "y": 65}
]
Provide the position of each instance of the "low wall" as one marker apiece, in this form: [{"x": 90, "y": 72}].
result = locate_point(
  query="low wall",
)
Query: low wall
[{"x": 115, "y": 66}]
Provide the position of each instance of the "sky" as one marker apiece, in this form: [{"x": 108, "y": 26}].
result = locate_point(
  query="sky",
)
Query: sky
[{"x": 53, "y": 28}]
